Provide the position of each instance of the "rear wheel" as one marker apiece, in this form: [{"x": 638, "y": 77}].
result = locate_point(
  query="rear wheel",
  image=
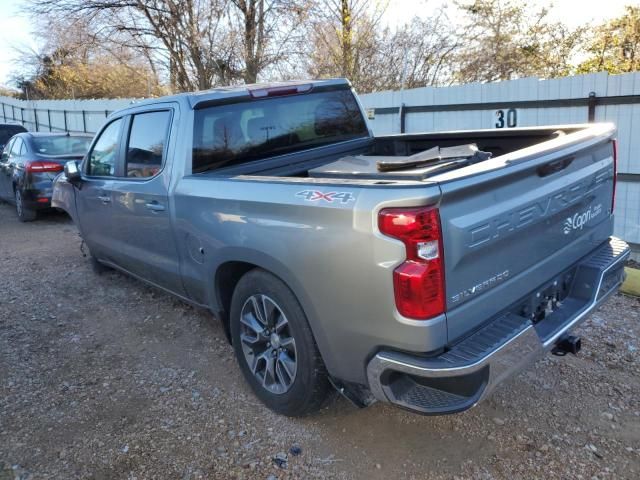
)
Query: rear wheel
[
  {"x": 24, "y": 214},
  {"x": 275, "y": 347}
]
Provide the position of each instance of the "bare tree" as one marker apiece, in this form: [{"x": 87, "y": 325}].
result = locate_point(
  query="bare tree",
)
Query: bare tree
[
  {"x": 271, "y": 31},
  {"x": 504, "y": 39},
  {"x": 72, "y": 64},
  {"x": 417, "y": 54},
  {"x": 348, "y": 40},
  {"x": 197, "y": 44},
  {"x": 200, "y": 43},
  {"x": 253, "y": 15},
  {"x": 191, "y": 39},
  {"x": 344, "y": 38}
]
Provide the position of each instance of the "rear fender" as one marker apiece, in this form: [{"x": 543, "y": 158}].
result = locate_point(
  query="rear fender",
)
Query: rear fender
[
  {"x": 64, "y": 197},
  {"x": 276, "y": 267}
]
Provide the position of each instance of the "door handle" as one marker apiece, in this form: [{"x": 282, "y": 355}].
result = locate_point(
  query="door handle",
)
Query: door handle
[
  {"x": 555, "y": 166},
  {"x": 154, "y": 206},
  {"x": 104, "y": 199}
]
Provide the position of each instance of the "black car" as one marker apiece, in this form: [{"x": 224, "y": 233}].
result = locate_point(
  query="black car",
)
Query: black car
[
  {"x": 8, "y": 130},
  {"x": 30, "y": 162}
]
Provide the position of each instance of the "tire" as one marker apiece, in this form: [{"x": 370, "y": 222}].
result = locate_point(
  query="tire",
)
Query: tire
[
  {"x": 24, "y": 214},
  {"x": 292, "y": 389}
]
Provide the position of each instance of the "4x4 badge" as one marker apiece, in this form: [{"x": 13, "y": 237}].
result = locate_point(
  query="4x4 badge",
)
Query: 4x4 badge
[{"x": 316, "y": 195}]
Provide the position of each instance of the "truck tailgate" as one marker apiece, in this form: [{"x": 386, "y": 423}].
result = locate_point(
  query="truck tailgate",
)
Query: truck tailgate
[{"x": 511, "y": 229}]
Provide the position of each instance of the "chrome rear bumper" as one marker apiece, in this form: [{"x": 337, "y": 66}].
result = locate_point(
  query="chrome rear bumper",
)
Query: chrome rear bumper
[{"x": 467, "y": 372}]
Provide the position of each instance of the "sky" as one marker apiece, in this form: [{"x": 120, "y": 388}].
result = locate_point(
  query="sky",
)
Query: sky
[
  {"x": 16, "y": 28},
  {"x": 572, "y": 12}
]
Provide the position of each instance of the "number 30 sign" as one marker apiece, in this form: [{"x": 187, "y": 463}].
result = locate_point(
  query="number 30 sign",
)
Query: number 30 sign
[{"x": 509, "y": 120}]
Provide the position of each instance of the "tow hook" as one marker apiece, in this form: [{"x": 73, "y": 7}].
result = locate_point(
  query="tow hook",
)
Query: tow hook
[{"x": 567, "y": 344}]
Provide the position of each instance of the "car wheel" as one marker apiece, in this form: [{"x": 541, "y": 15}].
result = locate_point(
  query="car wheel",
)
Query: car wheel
[
  {"x": 24, "y": 214},
  {"x": 275, "y": 347}
]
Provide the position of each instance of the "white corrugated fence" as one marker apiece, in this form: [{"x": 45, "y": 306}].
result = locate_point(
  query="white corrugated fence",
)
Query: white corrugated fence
[{"x": 60, "y": 115}]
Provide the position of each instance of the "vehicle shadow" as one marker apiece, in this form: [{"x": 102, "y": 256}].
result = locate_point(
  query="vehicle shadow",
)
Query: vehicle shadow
[{"x": 45, "y": 217}]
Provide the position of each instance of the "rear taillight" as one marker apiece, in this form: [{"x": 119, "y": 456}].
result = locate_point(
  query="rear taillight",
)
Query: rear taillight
[
  {"x": 615, "y": 173},
  {"x": 419, "y": 281},
  {"x": 43, "y": 166}
]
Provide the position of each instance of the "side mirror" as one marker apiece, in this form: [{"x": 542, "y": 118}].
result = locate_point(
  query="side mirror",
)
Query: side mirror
[{"x": 72, "y": 172}]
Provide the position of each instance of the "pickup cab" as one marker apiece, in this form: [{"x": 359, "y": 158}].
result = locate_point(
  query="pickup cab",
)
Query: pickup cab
[{"x": 416, "y": 269}]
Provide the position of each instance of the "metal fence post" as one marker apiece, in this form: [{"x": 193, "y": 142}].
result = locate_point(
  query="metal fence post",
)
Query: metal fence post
[
  {"x": 64, "y": 113},
  {"x": 35, "y": 116},
  {"x": 84, "y": 121},
  {"x": 49, "y": 118},
  {"x": 403, "y": 114},
  {"x": 593, "y": 101},
  {"x": 22, "y": 115},
  {"x": 4, "y": 115}
]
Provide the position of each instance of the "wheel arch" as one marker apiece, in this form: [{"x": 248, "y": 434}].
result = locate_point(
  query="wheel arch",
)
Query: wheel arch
[
  {"x": 236, "y": 263},
  {"x": 226, "y": 279}
]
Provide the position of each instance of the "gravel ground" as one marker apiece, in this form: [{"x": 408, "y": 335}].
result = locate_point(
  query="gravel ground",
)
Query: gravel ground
[{"x": 103, "y": 377}]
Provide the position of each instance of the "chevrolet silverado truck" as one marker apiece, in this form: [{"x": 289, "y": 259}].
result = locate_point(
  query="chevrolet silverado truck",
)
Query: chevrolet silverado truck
[{"x": 416, "y": 269}]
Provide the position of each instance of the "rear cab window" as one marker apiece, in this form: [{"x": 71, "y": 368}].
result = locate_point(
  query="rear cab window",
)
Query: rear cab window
[{"x": 233, "y": 134}]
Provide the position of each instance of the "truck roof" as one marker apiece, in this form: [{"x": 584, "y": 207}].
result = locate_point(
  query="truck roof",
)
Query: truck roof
[
  {"x": 56, "y": 134},
  {"x": 234, "y": 91}
]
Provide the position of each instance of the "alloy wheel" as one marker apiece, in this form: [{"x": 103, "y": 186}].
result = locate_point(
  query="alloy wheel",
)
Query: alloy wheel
[{"x": 268, "y": 346}]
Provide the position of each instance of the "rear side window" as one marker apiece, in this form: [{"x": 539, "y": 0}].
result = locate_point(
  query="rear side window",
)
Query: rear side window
[
  {"x": 103, "y": 156},
  {"x": 147, "y": 141},
  {"x": 17, "y": 148},
  {"x": 227, "y": 135}
]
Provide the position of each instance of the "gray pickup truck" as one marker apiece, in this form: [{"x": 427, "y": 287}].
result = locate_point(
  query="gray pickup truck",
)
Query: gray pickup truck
[{"x": 416, "y": 269}]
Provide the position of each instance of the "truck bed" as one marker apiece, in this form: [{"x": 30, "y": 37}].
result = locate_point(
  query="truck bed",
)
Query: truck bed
[{"x": 496, "y": 142}]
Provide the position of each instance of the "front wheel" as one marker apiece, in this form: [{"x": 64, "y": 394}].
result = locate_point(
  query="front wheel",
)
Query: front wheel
[
  {"x": 275, "y": 347},
  {"x": 24, "y": 214}
]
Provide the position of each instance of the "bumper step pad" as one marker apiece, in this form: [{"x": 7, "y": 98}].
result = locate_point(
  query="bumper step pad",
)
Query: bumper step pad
[{"x": 431, "y": 398}]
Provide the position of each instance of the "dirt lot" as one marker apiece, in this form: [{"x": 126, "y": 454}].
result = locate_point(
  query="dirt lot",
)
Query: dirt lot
[{"x": 102, "y": 377}]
